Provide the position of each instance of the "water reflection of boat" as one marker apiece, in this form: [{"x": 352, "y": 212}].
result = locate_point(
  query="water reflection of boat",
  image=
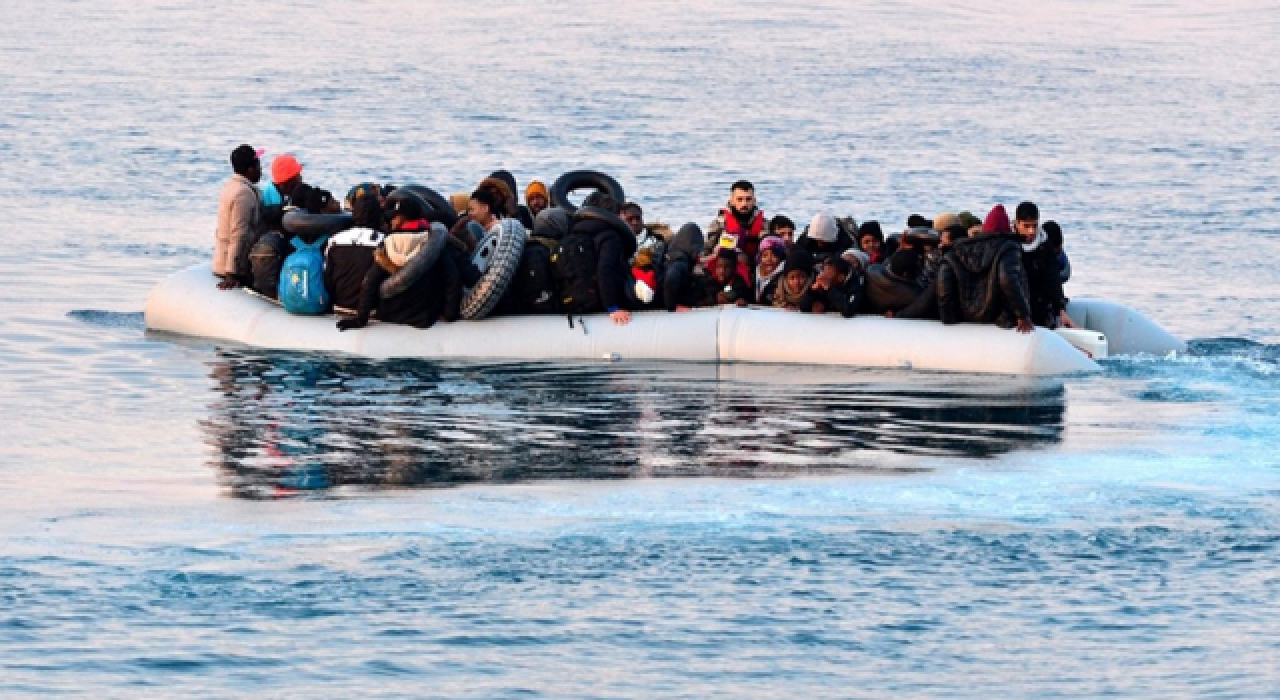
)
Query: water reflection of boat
[{"x": 284, "y": 423}]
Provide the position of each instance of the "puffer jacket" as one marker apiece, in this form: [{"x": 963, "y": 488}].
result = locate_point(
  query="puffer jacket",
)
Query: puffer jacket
[
  {"x": 982, "y": 281},
  {"x": 884, "y": 292},
  {"x": 347, "y": 258}
]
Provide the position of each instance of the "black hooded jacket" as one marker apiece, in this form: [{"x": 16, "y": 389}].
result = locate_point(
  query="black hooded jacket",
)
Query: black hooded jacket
[
  {"x": 615, "y": 245},
  {"x": 680, "y": 283},
  {"x": 982, "y": 281},
  {"x": 1044, "y": 283}
]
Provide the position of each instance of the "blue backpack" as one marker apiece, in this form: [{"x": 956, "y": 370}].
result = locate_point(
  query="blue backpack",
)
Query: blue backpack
[{"x": 302, "y": 279}]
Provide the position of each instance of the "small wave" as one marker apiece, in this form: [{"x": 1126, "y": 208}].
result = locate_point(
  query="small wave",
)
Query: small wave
[{"x": 109, "y": 319}]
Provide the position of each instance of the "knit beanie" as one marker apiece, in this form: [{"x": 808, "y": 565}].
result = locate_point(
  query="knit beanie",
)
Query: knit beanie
[
  {"x": 997, "y": 221},
  {"x": 536, "y": 187},
  {"x": 968, "y": 220},
  {"x": 872, "y": 228},
  {"x": 800, "y": 259},
  {"x": 1027, "y": 211},
  {"x": 776, "y": 244},
  {"x": 823, "y": 227},
  {"x": 861, "y": 257},
  {"x": 945, "y": 220},
  {"x": 904, "y": 264}
]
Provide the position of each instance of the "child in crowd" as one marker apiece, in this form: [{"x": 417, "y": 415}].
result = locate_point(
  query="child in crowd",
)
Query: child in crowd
[
  {"x": 773, "y": 253},
  {"x": 724, "y": 283},
  {"x": 793, "y": 292},
  {"x": 645, "y": 274},
  {"x": 871, "y": 240}
]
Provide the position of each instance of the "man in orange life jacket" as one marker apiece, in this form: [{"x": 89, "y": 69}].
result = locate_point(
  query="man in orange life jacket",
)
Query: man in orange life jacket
[{"x": 740, "y": 225}]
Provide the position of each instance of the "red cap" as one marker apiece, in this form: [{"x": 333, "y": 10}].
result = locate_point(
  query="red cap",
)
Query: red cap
[
  {"x": 997, "y": 220},
  {"x": 285, "y": 167}
]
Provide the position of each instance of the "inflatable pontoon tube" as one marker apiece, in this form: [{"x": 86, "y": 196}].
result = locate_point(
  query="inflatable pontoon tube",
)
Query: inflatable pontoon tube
[
  {"x": 581, "y": 179},
  {"x": 189, "y": 303}
]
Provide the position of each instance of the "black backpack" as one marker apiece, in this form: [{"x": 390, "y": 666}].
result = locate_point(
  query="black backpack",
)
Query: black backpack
[
  {"x": 574, "y": 266},
  {"x": 265, "y": 260}
]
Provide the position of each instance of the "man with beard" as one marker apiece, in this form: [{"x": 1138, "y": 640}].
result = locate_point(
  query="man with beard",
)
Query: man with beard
[
  {"x": 1040, "y": 261},
  {"x": 739, "y": 225}
]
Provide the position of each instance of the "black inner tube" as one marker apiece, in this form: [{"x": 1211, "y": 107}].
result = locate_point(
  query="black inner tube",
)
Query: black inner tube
[
  {"x": 434, "y": 201},
  {"x": 582, "y": 179},
  {"x": 300, "y": 222}
]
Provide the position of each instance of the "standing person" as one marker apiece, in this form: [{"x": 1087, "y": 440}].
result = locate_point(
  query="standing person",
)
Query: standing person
[
  {"x": 740, "y": 223},
  {"x": 1040, "y": 261},
  {"x": 239, "y": 218}
]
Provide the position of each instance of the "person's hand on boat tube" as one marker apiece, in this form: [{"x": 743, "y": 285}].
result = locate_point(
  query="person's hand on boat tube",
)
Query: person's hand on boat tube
[
  {"x": 228, "y": 282},
  {"x": 621, "y": 317},
  {"x": 1065, "y": 321},
  {"x": 1024, "y": 326}
]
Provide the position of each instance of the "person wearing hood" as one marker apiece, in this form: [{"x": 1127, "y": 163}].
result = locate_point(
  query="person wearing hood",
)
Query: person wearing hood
[
  {"x": 239, "y": 219},
  {"x": 740, "y": 224},
  {"x": 893, "y": 285},
  {"x": 1054, "y": 233},
  {"x": 349, "y": 254},
  {"x": 772, "y": 255},
  {"x": 793, "y": 292},
  {"x": 982, "y": 280},
  {"x": 614, "y": 245},
  {"x": 681, "y": 283},
  {"x": 871, "y": 240},
  {"x": 1044, "y": 277},
  {"x": 824, "y": 238},
  {"x": 838, "y": 287},
  {"x": 413, "y": 280},
  {"x": 723, "y": 283},
  {"x": 536, "y": 200}
]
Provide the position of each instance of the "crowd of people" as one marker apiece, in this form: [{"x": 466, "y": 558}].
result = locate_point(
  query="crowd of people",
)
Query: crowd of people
[{"x": 400, "y": 263}]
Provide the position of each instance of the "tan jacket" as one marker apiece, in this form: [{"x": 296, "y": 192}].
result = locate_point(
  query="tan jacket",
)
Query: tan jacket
[{"x": 239, "y": 223}]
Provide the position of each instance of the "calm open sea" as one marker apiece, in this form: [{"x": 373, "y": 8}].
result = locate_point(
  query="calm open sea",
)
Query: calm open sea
[{"x": 184, "y": 518}]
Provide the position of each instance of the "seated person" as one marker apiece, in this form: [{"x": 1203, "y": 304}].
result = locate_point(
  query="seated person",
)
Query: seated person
[
  {"x": 682, "y": 278},
  {"x": 536, "y": 200},
  {"x": 794, "y": 291},
  {"x": 1054, "y": 232},
  {"x": 871, "y": 240},
  {"x": 773, "y": 255},
  {"x": 824, "y": 238},
  {"x": 349, "y": 254},
  {"x": 420, "y": 291},
  {"x": 614, "y": 246},
  {"x": 633, "y": 215},
  {"x": 288, "y": 191},
  {"x": 838, "y": 288},
  {"x": 723, "y": 283},
  {"x": 892, "y": 286},
  {"x": 783, "y": 228},
  {"x": 981, "y": 280}
]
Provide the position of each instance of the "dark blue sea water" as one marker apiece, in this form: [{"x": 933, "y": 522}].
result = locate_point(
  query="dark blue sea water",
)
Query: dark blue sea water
[{"x": 183, "y": 518}]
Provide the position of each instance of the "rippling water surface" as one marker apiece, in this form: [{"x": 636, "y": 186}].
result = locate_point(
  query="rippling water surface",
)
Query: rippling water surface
[{"x": 182, "y": 517}]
